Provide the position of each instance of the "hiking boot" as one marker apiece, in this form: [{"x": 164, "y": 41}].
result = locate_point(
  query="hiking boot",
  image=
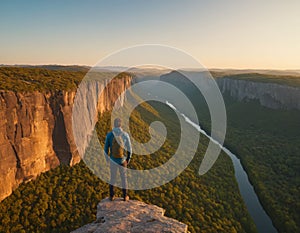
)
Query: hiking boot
[
  {"x": 126, "y": 198},
  {"x": 112, "y": 198}
]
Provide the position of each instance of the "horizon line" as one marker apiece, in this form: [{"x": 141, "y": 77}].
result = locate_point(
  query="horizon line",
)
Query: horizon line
[{"x": 209, "y": 68}]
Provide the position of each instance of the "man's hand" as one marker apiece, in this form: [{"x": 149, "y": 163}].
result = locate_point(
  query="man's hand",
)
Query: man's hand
[
  {"x": 124, "y": 164},
  {"x": 127, "y": 161}
]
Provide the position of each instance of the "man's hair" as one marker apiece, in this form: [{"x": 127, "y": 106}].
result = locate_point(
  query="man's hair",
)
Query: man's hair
[{"x": 117, "y": 123}]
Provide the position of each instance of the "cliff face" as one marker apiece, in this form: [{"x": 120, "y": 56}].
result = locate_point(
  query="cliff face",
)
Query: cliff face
[
  {"x": 131, "y": 216},
  {"x": 36, "y": 132},
  {"x": 270, "y": 95}
]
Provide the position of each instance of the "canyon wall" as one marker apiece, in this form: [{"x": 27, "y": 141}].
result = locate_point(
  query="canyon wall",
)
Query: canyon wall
[
  {"x": 270, "y": 95},
  {"x": 36, "y": 131}
]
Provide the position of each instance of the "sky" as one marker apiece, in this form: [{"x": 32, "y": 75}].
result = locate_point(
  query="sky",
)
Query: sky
[{"x": 219, "y": 34}]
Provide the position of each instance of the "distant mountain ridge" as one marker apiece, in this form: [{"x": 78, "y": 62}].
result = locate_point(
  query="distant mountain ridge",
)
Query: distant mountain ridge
[{"x": 156, "y": 69}]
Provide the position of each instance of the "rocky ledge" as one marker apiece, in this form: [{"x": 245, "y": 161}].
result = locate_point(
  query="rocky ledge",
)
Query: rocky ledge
[{"x": 131, "y": 216}]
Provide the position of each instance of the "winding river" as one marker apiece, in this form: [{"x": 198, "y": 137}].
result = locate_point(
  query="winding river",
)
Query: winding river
[{"x": 260, "y": 217}]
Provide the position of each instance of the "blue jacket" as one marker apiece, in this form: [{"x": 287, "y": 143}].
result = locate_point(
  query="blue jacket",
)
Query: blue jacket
[{"x": 127, "y": 144}]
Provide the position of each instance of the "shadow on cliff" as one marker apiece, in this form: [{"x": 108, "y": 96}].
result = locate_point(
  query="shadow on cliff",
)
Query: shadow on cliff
[{"x": 61, "y": 145}]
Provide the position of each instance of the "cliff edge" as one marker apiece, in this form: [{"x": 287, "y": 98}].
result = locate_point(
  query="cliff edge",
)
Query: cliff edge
[
  {"x": 36, "y": 129},
  {"x": 131, "y": 216}
]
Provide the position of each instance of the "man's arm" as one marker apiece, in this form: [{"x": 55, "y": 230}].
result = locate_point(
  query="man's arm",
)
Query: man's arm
[
  {"x": 106, "y": 147},
  {"x": 128, "y": 148}
]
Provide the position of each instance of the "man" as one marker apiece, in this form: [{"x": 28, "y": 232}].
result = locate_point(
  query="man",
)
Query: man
[{"x": 117, "y": 143}]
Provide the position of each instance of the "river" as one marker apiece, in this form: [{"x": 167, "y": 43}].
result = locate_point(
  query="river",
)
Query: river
[{"x": 261, "y": 219}]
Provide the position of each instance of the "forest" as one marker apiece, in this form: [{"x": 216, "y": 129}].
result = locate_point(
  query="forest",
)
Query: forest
[
  {"x": 65, "y": 198},
  {"x": 266, "y": 140},
  {"x": 292, "y": 80},
  {"x": 44, "y": 79},
  {"x": 268, "y": 143}
]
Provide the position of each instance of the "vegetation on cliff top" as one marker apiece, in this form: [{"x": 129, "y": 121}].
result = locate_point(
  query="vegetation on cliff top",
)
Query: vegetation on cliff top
[
  {"x": 43, "y": 79},
  {"x": 289, "y": 80}
]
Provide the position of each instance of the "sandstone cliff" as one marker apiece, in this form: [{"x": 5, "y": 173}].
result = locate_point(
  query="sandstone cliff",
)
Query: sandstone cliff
[
  {"x": 36, "y": 131},
  {"x": 131, "y": 216},
  {"x": 270, "y": 95}
]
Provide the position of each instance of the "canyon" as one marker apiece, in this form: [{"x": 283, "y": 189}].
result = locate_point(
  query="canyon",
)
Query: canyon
[{"x": 36, "y": 131}]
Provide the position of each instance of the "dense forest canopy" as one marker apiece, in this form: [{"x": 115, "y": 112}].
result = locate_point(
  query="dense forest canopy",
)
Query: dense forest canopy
[
  {"x": 266, "y": 140},
  {"x": 65, "y": 198},
  {"x": 30, "y": 78},
  {"x": 45, "y": 79}
]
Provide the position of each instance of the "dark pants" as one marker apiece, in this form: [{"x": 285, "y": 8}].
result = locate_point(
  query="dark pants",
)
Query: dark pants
[{"x": 113, "y": 173}]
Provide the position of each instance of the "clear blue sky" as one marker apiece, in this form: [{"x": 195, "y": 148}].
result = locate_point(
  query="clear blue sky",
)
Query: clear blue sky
[{"x": 224, "y": 34}]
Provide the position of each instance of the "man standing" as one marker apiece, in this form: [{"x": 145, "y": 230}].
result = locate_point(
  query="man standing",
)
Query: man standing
[{"x": 118, "y": 148}]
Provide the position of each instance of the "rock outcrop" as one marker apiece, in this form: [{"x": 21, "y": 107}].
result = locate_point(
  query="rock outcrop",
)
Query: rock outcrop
[
  {"x": 36, "y": 131},
  {"x": 269, "y": 95},
  {"x": 132, "y": 216}
]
